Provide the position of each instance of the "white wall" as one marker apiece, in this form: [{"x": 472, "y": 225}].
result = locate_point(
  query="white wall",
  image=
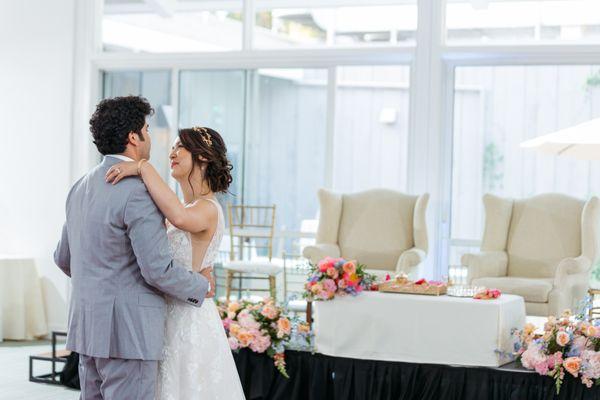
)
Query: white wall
[{"x": 36, "y": 84}]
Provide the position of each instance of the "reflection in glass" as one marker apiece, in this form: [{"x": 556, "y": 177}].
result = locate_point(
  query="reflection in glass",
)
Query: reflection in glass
[
  {"x": 156, "y": 87},
  {"x": 520, "y": 21},
  {"x": 216, "y": 99},
  {"x": 341, "y": 26},
  {"x": 497, "y": 108}
]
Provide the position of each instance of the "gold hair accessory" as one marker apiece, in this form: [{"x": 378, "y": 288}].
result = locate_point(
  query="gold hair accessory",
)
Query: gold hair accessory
[{"x": 204, "y": 134}]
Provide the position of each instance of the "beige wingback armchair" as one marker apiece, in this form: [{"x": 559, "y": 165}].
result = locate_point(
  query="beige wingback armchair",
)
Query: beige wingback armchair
[
  {"x": 383, "y": 229},
  {"x": 541, "y": 248}
]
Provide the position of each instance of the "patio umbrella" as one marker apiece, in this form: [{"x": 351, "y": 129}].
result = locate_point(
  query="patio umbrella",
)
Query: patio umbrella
[{"x": 580, "y": 141}]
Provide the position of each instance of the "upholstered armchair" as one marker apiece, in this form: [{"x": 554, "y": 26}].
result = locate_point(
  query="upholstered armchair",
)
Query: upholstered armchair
[
  {"x": 541, "y": 248},
  {"x": 383, "y": 229}
]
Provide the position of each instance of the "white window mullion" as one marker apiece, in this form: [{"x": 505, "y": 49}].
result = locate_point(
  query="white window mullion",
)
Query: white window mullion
[
  {"x": 248, "y": 24},
  {"x": 425, "y": 141},
  {"x": 329, "y": 140},
  {"x": 175, "y": 116}
]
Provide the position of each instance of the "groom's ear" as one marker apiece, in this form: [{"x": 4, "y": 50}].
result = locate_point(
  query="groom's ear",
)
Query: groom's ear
[{"x": 133, "y": 138}]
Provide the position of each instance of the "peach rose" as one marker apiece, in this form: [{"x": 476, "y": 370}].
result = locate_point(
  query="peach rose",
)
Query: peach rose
[
  {"x": 269, "y": 311},
  {"x": 562, "y": 338},
  {"x": 332, "y": 273},
  {"x": 572, "y": 365},
  {"x": 303, "y": 328},
  {"x": 234, "y": 328},
  {"x": 529, "y": 329},
  {"x": 233, "y": 307},
  {"x": 349, "y": 267},
  {"x": 244, "y": 338},
  {"x": 284, "y": 327},
  {"x": 591, "y": 331},
  {"x": 316, "y": 288}
]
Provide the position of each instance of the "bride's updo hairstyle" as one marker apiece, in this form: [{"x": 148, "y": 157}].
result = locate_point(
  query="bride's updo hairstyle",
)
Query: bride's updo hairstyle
[{"x": 208, "y": 144}]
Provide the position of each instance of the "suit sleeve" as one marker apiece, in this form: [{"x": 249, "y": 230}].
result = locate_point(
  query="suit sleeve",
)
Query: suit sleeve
[
  {"x": 146, "y": 231},
  {"x": 62, "y": 254}
]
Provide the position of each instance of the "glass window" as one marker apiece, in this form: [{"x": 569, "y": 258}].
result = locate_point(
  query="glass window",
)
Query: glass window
[
  {"x": 171, "y": 26},
  {"x": 286, "y": 146},
  {"x": 339, "y": 26},
  {"x": 216, "y": 99},
  {"x": 495, "y": 109},
  {"x": 371, "y": 128},
  {"x": 523, "y": 21},
  {"x": 156, "y": 87}
]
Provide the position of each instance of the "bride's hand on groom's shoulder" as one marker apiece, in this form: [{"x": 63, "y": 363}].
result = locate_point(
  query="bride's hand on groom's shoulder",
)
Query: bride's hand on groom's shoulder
[
  {"x": 208, "y": 274},
  {"x": 121, "y": 170}
]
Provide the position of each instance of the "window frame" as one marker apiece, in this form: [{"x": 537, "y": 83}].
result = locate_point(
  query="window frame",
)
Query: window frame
[{"x": 432, "y": 65}]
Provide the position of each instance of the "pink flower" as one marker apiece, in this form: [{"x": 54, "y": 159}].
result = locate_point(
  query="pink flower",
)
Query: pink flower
[
  {"x": 555, "y": 359},
  {"x": 572, "y": 365},
  {"x": 247, "y": 321},
  {"x": 532, "y": 356},
  {"x": 233, "y": 343},
  {"x": 351, "y": 279},
  {"x": 316, "y": 288},
  {"x": 591, "y": 359},
  {"x": 329, "y": 285},
  {"x": 562, "y": 338},
  {"x": 226, "y": 323},
  {"x": 541, "y": 368},
  {"x": 269, "y": 311},
  {"x": 261, "y": 343},
  {"x": 325, "y": 264},
  {"x": 332, "y": 272},
  {"x": 349, "y": 268}
]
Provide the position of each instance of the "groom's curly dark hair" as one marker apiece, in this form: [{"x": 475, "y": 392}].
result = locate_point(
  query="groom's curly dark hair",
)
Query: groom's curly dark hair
[{"x": 113, "y": 120}]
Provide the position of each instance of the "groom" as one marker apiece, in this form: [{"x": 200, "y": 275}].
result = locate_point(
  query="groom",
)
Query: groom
[{"x": 114, "y": 247}]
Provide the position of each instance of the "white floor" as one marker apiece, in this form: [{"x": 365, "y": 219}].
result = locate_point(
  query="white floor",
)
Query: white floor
[{"x": 14, "y": 376}]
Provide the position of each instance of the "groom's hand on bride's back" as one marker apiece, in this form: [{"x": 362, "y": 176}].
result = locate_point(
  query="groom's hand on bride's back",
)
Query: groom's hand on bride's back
[{"x": 208, "y": 274}]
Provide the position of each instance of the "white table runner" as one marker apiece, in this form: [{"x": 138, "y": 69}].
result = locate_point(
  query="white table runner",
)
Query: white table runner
[{"x": 417, "y": 328}]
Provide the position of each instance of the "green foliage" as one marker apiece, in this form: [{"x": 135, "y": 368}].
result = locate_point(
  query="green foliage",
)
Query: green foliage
[
  {"x": 596, "y": 271},
  {"x": 492, "y": 167},
  {"x": 593, "y": 80}
]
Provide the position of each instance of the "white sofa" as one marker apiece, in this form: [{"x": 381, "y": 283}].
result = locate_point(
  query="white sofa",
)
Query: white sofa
[
  {"x": 541, "y": 248},
  {"x": 383, "y": 229}
]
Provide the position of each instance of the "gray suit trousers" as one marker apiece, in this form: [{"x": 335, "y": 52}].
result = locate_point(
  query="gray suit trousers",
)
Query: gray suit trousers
[{"x": 117, "y": 379}]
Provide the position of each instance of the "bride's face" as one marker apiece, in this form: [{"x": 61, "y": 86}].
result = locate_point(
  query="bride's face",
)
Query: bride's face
[{"x": 181, "y": 161}]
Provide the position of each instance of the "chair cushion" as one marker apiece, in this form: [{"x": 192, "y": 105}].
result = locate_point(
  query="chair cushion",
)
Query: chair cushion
[
  {"x": 543, "y": 230},
  {"x": 532, "y": 290},
  {"x": 259, "y": 267},
  {"x": 376, "y": 226}
]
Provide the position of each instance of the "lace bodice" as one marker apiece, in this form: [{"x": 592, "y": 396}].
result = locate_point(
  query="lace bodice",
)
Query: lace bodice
[{"x": 181, "y": 243}]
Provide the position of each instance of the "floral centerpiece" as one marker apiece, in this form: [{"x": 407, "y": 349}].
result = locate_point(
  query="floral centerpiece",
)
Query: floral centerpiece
[
  {"x": 261, "y": 327},
  {"x": 566, "y": 345},
  {"x": 336, "y": 276}
]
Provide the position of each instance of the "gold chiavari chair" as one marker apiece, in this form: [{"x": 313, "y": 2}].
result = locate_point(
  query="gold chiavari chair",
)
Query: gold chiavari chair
[{"x": 252, "y": 229}]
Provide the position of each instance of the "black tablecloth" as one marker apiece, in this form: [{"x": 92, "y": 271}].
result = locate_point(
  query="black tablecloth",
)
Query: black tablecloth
[{"x": 316, "y": 377}]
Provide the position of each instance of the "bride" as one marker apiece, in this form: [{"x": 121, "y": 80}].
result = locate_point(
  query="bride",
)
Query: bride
[{"x": 197, "y": 361}]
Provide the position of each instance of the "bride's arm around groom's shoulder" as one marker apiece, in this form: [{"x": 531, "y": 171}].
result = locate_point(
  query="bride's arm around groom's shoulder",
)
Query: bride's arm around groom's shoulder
[{"x": 145, "y": 228}]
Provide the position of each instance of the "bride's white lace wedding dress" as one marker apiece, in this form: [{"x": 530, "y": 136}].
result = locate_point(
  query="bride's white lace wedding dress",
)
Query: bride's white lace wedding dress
[{"x": 197, "y": 362}]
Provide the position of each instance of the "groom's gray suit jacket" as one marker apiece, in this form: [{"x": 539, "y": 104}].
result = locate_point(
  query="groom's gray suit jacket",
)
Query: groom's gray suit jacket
[{"x": 114, "y": 247}]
